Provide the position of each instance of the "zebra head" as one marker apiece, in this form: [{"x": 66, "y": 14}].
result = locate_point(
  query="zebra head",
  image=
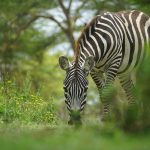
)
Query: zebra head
[{"x": 76, "y": 85}]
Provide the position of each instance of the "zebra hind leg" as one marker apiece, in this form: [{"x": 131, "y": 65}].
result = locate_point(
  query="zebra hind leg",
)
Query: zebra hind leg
[{"x": 128, "y": 86}]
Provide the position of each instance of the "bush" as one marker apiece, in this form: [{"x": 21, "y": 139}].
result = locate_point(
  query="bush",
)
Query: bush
[
  {"x": 24, "y": 105},
  {"x": 138, "y": 119}
]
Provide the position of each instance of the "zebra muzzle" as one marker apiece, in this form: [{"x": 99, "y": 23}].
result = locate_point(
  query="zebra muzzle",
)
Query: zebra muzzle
[{"x": 75, "y": 118}]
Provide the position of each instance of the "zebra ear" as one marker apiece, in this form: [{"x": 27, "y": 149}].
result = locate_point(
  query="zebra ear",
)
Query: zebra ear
[
  {"x": 89, "y": 64},
  {"x": 64, "y": 63}
]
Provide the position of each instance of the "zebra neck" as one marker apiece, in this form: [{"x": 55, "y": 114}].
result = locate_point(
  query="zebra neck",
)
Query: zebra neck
[{"x": 81, "y": 60}]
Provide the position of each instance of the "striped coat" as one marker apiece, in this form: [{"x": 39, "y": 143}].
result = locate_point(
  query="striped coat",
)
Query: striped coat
[
  {"x": 113, "y": 44},
  {"x": 107, "y": 35}
]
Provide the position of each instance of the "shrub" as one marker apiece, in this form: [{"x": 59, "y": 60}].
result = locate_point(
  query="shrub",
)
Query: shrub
[
  {"x": 24, "y": 105},
  {"x": 141, "y": 119}
]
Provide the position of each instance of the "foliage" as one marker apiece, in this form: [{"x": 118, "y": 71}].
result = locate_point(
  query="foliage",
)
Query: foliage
[
  {"x": 143, "y": 78},
  {"x": 137, "y": 118},
  {"x": 24, "y": 105},
  {"x": 32, "y": 110}
]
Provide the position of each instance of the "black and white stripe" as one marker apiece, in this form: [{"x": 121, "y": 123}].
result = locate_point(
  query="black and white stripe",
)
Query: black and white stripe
[
  {"x": 117, "y": 42},
  {"x": 75, "y": 87}
]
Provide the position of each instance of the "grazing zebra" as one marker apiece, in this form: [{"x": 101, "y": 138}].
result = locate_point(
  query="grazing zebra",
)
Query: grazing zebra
[{"x": 112, "y": 44}]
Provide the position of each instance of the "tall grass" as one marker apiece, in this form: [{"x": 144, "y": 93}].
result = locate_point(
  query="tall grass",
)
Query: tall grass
[
  {"x": 21, "y": 103},
  {"x": 138, "y": 118}
]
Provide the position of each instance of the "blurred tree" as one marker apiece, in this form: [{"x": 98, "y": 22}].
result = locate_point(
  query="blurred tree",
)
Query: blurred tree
[
  {"x": 17, "y": 28},
  {"x": 16, "y": 38},
  {"x": 24, "y": 45}
]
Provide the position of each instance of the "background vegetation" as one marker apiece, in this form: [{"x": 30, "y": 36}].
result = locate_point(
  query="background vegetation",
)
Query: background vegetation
[{"x": 33, "y": 34}]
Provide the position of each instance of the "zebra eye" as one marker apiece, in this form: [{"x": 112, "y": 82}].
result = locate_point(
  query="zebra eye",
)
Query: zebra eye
[
  {"x": 65, "y": 89},
  {"x": 83, "y": 96},
  {"x": 85, "y": 90}
]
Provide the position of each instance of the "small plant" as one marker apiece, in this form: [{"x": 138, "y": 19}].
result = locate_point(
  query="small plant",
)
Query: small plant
[{"x": 24, "y": 105}]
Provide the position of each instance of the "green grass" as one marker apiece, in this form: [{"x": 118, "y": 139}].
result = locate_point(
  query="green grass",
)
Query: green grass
[
  {"x": 37, "y": 137},
  {"x": 29, "y": 121}
]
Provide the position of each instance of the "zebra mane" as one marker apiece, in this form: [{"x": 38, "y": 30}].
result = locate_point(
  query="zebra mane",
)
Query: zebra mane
[{"x": 77, "y": 46}]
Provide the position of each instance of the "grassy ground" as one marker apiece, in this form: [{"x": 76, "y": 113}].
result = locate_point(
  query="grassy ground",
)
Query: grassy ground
[{"x": 45, "y": 137}]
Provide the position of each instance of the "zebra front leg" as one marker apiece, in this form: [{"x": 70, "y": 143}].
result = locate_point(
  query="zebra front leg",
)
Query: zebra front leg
[
  {"x": 99, "y": 80},
  {"x": 108, "y": 89}
]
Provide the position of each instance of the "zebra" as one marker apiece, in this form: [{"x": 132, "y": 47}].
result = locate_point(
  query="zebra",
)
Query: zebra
[{"x": 112, "y": 44}]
